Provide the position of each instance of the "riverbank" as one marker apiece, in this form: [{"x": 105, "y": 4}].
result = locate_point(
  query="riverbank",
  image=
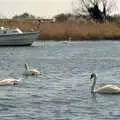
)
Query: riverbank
[{"x": 65, "y": 31}]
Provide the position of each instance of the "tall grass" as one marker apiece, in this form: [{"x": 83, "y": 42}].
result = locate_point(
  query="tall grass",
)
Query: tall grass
[{"x": 62, "y": 31}]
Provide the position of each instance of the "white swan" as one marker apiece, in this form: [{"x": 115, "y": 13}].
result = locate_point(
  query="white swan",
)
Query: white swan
[
  {"x": 8, "y": 81},
  {"x": 110, "y": 89},
  {"x": 29, "y": 71}
]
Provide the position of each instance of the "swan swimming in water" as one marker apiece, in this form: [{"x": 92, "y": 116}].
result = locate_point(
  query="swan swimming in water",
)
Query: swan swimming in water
[
  {"x": 29, "y": 71},
  {"x": 110, "y": 89},
  {"x": 8, "y": 81}
]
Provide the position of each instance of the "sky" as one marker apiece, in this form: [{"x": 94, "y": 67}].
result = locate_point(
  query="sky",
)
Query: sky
[{"x": 39, "y": 8}]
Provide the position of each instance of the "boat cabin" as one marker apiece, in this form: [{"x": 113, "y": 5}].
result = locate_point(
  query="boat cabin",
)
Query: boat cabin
[{"x": 4, "y": 30}]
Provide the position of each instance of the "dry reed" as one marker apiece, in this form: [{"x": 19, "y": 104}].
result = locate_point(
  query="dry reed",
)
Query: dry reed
[{"x": 62, "y": 31}]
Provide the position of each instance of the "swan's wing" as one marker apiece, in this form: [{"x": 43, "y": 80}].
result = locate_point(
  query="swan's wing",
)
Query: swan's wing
[
  {"x": 35, "y": 70},
  {"x": 32, "y": 72},
  {"x": 108, "y": 89},
  {"x": 109, "y": 85},
  {"x": 8, "y": 81}
]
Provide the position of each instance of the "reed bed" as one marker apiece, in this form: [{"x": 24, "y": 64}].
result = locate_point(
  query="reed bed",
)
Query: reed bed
[{"x": 64, "y": 31}]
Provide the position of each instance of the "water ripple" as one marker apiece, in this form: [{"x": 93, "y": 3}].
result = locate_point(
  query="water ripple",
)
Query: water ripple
[{"x": 62, "y": 91}]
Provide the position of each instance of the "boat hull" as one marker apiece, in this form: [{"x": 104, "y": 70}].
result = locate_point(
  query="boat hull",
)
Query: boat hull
[{"x": 23, "y": 39}]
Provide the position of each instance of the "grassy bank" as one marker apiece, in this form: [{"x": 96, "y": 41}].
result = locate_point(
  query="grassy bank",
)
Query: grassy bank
[{"x": 62, "y": 31}]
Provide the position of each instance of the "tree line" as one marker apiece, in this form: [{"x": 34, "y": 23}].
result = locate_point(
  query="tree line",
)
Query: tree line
[{"x": 98, "y": 10}]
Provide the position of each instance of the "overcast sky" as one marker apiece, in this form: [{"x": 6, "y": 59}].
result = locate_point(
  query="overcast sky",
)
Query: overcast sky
[{"x": 39, "y": 8}]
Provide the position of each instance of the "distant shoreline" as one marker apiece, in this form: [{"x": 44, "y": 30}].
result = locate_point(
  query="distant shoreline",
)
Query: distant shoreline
[{"x": 68, "y": 31}]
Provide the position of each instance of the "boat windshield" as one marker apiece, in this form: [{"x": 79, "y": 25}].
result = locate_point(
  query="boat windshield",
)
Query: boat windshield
[{"x": 4, "y": 30}]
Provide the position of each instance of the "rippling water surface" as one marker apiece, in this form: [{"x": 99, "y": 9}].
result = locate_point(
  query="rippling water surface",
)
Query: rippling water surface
[{"x": 62, "y": 92}]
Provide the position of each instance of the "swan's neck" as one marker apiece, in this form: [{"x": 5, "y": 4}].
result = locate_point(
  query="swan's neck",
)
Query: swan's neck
[
  {"x": 26, "y": 67},
  {"x": 93, "y": 85}
]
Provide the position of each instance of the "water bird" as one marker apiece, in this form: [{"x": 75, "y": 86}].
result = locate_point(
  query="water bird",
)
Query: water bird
[
  {"x": 29, "y": 71},
  {"x": 108, "y": 89},
  {"x": 8, "y": 81}
]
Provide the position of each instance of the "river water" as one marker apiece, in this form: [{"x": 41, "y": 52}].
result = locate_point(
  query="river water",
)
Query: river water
[{"x": 62, "y": 91}]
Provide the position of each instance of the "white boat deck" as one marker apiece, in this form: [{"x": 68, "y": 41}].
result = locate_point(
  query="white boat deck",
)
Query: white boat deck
[{"x": 15, "y": 37}]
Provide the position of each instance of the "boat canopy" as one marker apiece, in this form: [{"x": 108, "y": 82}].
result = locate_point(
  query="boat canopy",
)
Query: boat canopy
[{"x": 6, "y": 30}]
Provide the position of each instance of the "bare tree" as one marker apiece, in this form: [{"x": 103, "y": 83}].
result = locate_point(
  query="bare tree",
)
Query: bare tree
[{"x": 97, "y": 9}]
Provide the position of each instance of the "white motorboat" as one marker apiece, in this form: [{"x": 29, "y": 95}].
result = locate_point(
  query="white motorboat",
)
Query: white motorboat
[{"x": 15, "y": 37}]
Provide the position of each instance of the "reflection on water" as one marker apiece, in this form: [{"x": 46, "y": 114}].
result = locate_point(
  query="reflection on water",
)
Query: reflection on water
[{"x": 62, "y": 92}]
